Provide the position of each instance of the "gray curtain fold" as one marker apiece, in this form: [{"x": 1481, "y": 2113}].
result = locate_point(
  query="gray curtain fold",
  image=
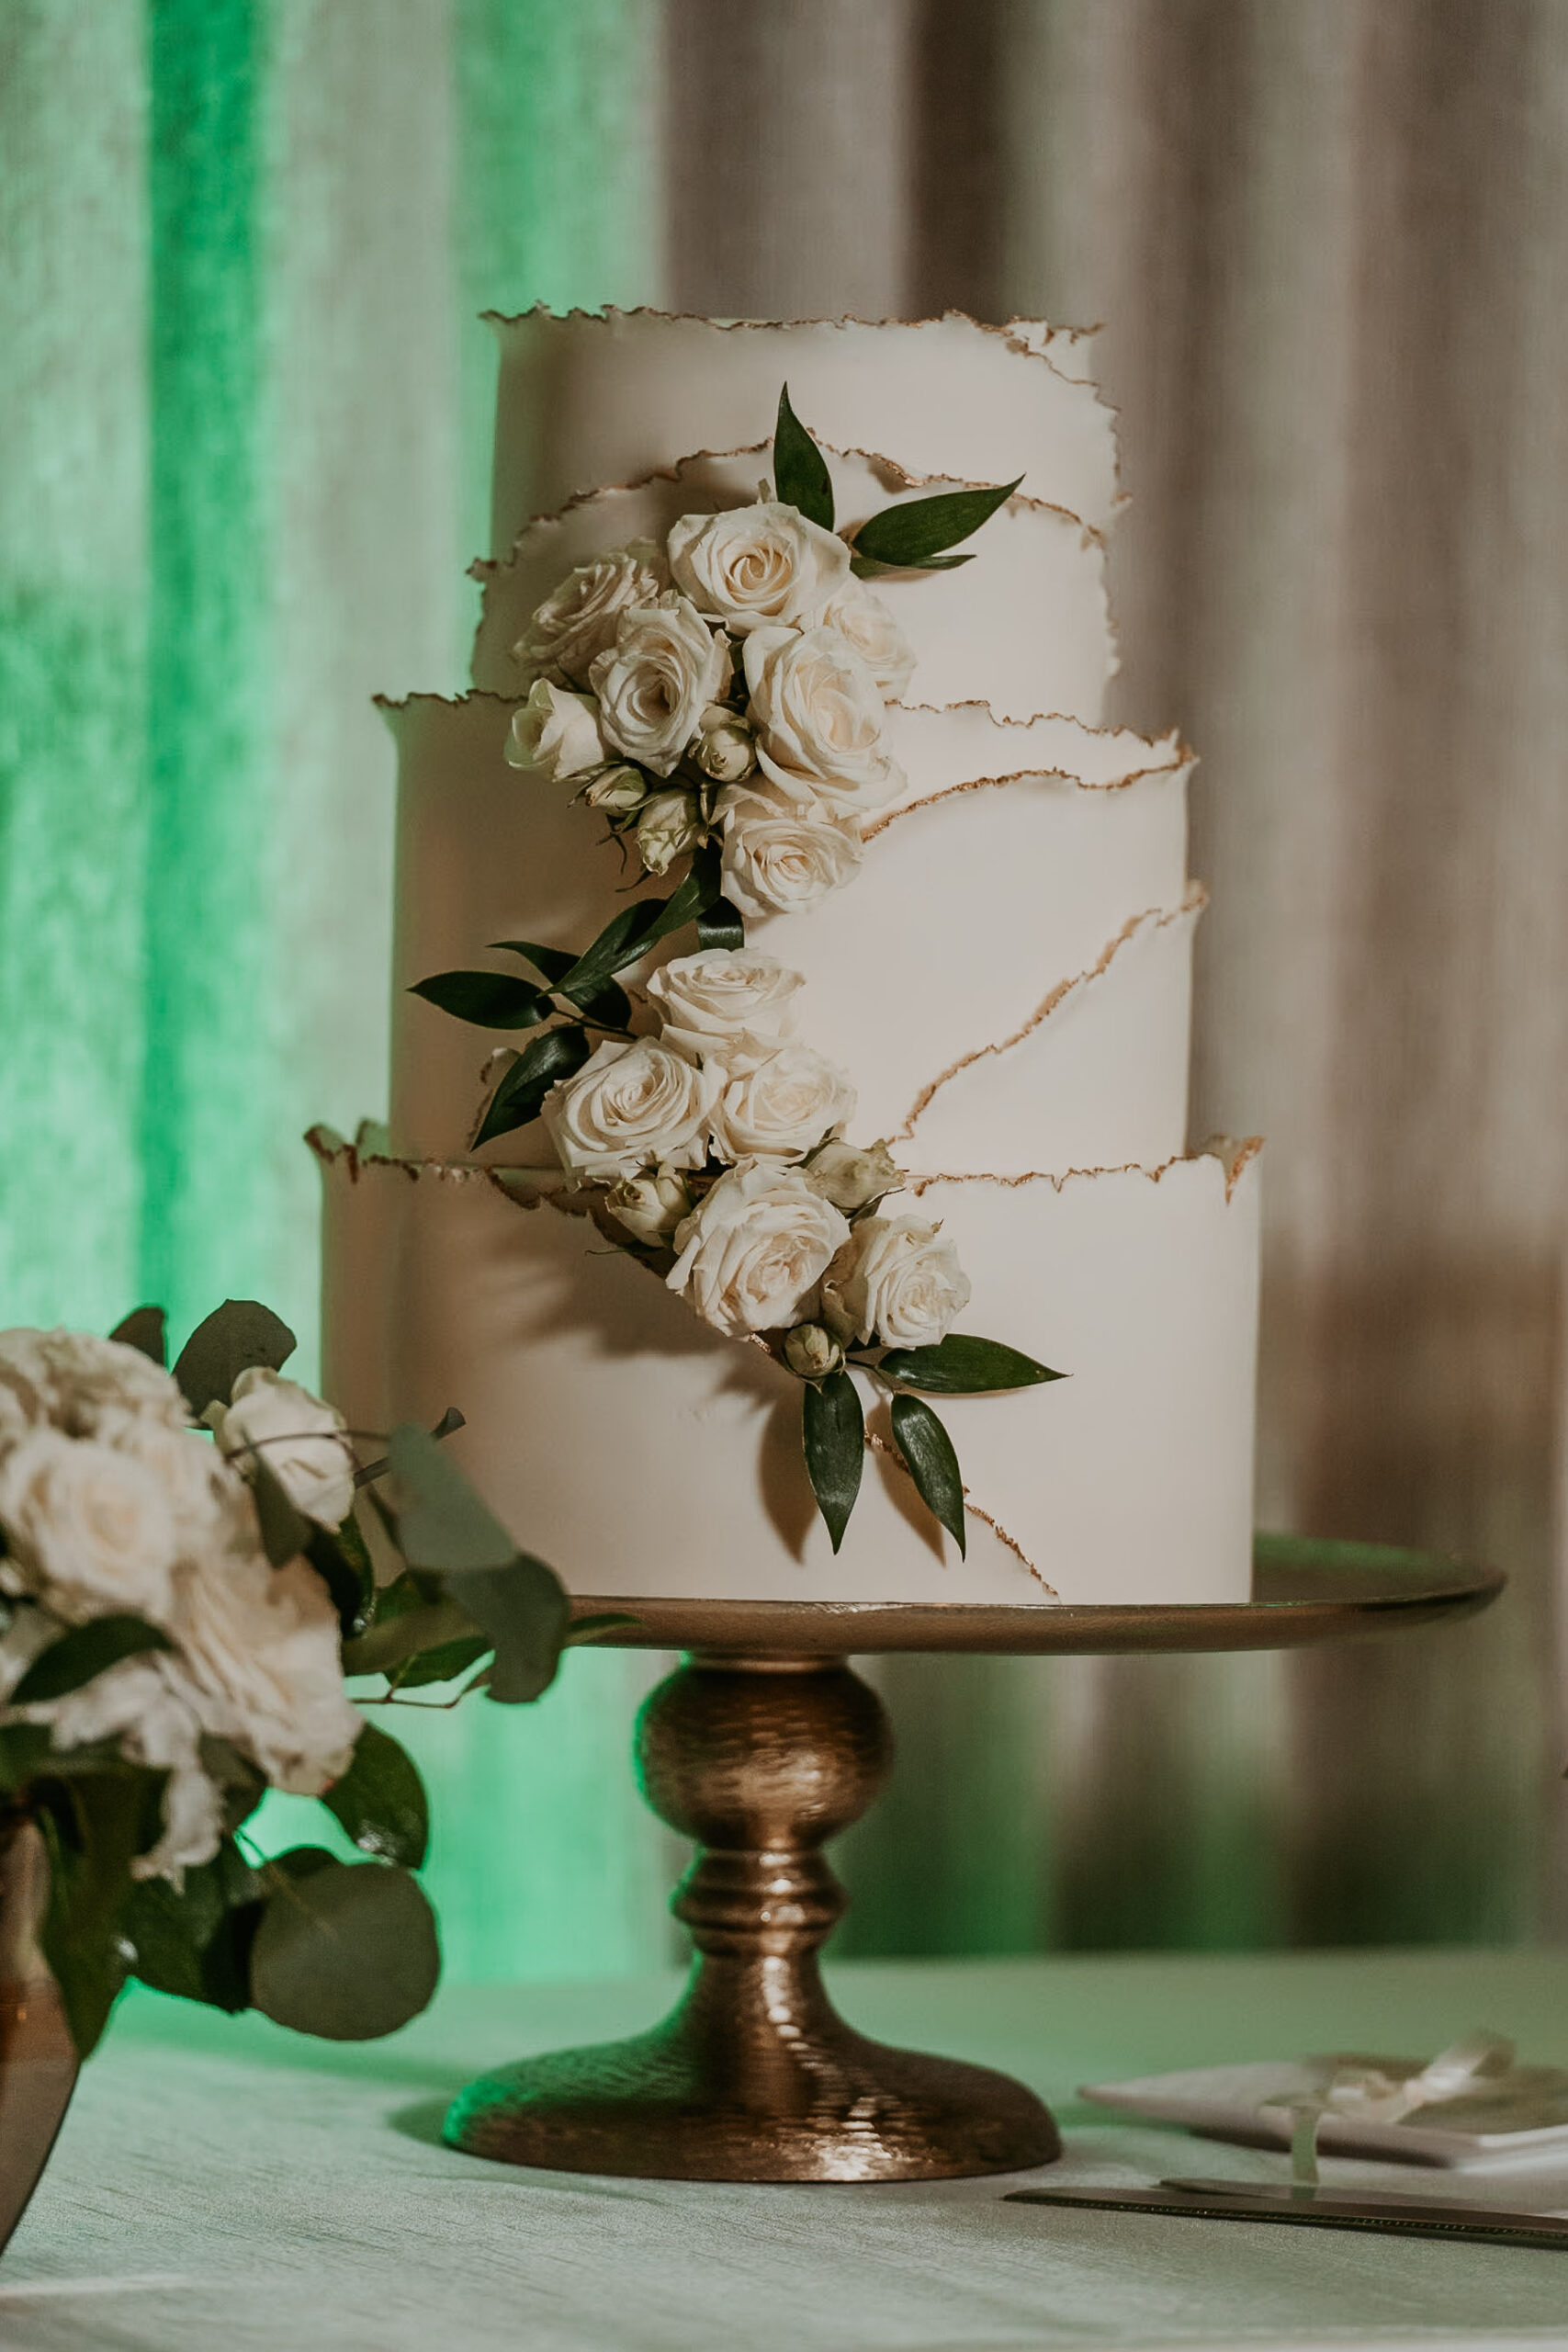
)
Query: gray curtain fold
[{"x": 1328, "y": 241}]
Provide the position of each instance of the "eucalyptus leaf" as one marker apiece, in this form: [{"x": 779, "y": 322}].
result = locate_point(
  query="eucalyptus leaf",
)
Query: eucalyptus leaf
[
  {"x": 490, "y": 1000},
  {"x": 447, "y": 1426},
  {"x": 196, "y": 1941},
  {"x": 519, "y": 1098},
  {"x": 304, "y": 1861},
  {"x": 236, "y": 1337},
  {"x": 719, "y": 926},
  {"x": 384, "y": 1647},
  {"x": 94, "y": 1829},
  {"x": 907, "y": 538},
  {"x": 285, "y": 1530},
  {"x": 800, "y": 472},
  {"x": 526, "y": 1611},
  {"x": 443, "y": 1664},
  {"x": 341, "y": 1560},
  {"x": 833, "y": 1435},
  {"x": 146, "y": 1329},
  {"x": 346, "y": 1953},
  {"x": 443, "y": 1523},
  {"x": 84, "y": 1653},
  {"x": 928, "y": 1450},
  {"x": 961, "y": 1366},
  {"x": 380, "y": 1800}
]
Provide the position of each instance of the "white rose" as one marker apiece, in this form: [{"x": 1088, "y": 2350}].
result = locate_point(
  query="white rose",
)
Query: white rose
[
  {"x": 820, "y": 720},
  {"x": 628, "y": 1108},
  {"x": 782, "y": 1107},
  {"x": 618, "y": 789},
  {"x": 708, "y": 1002},
  {"x": 577, "y": 621},
  {"x": 650, "y": 1207},
  {"x": 894, "y": 1282},
  {"x": 85, "y": 1385},
  {"x": 754, "y": 1255},
  {"x": 858, "y": 613},
  {"x": 656, "y": 681},
  {"x": 90, "y": 1529},
  {"x": 753, "y": 565},
  {"x": 668, "y": 826},
  {"x": 852, "y": 1178},
  {"x": 298, "y": 1438},
  {"x": 259, "y": 1658},
  {"x": 726, "y": 748},
  {"x": 555, "y": 733},
  {"x": 780, "y": 859},
  {"x": 147, "y": 1707}
]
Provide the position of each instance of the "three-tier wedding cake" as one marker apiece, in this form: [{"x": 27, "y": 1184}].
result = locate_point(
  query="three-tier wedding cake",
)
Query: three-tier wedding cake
[{"x": 827, "y": 972}]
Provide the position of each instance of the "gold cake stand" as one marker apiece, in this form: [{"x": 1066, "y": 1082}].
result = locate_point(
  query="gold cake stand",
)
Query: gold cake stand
[{"x": 762, "y": 1746}]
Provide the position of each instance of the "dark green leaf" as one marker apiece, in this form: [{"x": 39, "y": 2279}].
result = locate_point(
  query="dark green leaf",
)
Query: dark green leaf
[
  {"x": 932, "y": 1463},
  {"x": 380, "y": 1800},
  {"x": 520, "y": 1096},
  {"x": 348, "y": 1953},
  {"x": 443, "y": 1664},
  {"x": 304, "y": 1861},
  {"x": 833, "y": 1433},
  {"x": 285, "y": 1532},
  {"x": 93, "y": 1829},
  {"x": 146, "y": 1330},
  {"x": 340, "y": 1559},
  {"x": 610, "y": 1006},
  {"x": 236, "y": 1336},
  {"x": 907, "y": 538},
  {"x": 242, "y": 1784},
  {"x": 196, "y": 1942},
  {"x": 864, "y": 569},
  {"x": 490, "y": 1000},
  {"x": 387, "y": 1646},
  {"x": 86, "y": 1651},
  {"x": 27, "y": 1752},
  {"x": 525, "y": 1611},
  {"x": 800, "y": 472},
  {"x": 623, "y": 940},
  {"x": 443, "y": 1523},
  {"x": 447, "y": 1426},
  {"x": 720, "y": 926},
  {"x": 963, "y": 1366},
  {"x": 552, "y": 963}
]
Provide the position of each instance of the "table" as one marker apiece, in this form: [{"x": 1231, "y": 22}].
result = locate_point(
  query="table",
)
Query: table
[{"x": 223, "y": 2185}]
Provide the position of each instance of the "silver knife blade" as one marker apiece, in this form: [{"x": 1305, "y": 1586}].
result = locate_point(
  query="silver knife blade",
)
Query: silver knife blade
[{"x": 1319, "y": 2209}]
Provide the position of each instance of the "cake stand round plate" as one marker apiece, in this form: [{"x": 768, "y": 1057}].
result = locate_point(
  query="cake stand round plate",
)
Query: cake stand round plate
[{"x": 760, "y": 1747}]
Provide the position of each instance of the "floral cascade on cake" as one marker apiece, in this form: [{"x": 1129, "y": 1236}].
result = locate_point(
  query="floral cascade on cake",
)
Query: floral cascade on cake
[{"x": 722, "y": 700}]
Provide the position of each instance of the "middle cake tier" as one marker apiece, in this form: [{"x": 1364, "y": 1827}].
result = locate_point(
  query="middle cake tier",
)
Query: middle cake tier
[{"x": 1007, "y": 984}]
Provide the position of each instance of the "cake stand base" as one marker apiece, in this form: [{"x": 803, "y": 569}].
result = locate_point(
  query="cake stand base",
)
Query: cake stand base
[
  {"x": 754, "y": 2076},
  {"x": 763, "y": 1746}
]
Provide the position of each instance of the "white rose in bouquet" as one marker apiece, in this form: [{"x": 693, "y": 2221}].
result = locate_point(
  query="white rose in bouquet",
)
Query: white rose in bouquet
[
  {"x": 754, "y": 565},
  {"x": 147, "y": 1708},
  {"x": 896, "y": 1281},
  {"x": 780, "y": 859},
  {"x": 630, "y": 1107},
  {"x": 753, "y": 1254},
  {"x": 618, "y": 790},
  {"x": 301, "y": 1439},
  {"x": 709, "y": 1002},
  {"x": 726, "y": 748},
  {"x": 820, "y": 720},
  {"x": 859, "y": 614},
  {"x": 579, "y": 619},
  {"x": 851, "y": 1177},
  {"x": 782, "y": 1107},
  {"x": 655, "y": 682},
  {"x": 555, "y": 732},
  {"x": 259, "y": 1654},
  {"x": 89, "y": 1529},
  {"x": 668, "y": 826},
  {"x": 85, "y": 1385}
]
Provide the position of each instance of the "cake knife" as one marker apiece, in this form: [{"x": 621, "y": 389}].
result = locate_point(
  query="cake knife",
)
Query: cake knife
[{"x": 1321, "y": 2209}]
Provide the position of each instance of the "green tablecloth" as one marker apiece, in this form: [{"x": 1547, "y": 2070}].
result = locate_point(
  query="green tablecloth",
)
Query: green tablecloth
[{"x": 220, "y": 2184}]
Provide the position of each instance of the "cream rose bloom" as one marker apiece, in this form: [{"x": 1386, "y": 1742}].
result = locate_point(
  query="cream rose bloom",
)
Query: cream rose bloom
[
  {"x": 630, "y": 1107},
  {"x": 753, "y": 1254},
  {"x": 780, "y": 859},
  {"x": 726, "y": 748},
  {"x": 655, "y": 682},
  {"x": 577, "y": 621},
  {"x": 851, "y": 1177},
  {"x": 301, "y": 1439},
  {"x": 859, "y": 614},
  {"x": 896, "y": 1281},
  {"x": 555, "y": 733},
  {"x": 782, "y": 1106},
  {"x": 85, "y": 1385},
  {"x": 820, "y": 720},
  {"x": 667, "y": 825},
  {"x": 711, "y": 1001},
  {"x": 754, "y": 565},
  {"x": 90, "y": 1530}
]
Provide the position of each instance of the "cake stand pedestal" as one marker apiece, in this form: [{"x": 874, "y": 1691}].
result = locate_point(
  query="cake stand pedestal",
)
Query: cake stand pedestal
[{"x": 762, "y": 1746}]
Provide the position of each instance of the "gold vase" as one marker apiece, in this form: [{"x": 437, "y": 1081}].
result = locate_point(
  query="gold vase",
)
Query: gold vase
[{"x": 38, "y": 2060}]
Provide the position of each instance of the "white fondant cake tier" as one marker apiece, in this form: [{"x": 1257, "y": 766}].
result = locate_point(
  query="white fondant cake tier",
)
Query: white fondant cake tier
[
  {"x": 1055, "y": 987},
  {"x": 592, "y": 399},
  {"x": 1028, "y": 629},
  {"x": 641, "y": 1453}
]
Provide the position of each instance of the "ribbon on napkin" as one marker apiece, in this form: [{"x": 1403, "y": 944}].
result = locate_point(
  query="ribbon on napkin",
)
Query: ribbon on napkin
[{"x": 1376, "y": 2094}]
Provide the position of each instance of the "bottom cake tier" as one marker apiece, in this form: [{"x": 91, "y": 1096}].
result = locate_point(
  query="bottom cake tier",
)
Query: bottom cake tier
[{"x": 640, "y": 1452}]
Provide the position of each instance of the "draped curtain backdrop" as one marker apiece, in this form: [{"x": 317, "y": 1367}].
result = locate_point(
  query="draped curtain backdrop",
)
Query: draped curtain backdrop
[{"x": 243, "y": 441}]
